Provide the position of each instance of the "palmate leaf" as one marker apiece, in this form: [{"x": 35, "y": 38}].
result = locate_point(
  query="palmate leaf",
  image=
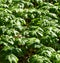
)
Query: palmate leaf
[
  {"x": 27, "y": 41},
  {"x": 38, "y": 59},
  {"x": 9, "y": 59},
  {"x": 32, "y": 41},
  {"x": 12, "y": 58},
  {"x": 35, "y": 31},
  {"x": 52, "y": 15},
  {"x": 7, "y": 39},
  {"x": 55, "y": 58},
  {"x": 6, "y": 55},
  {"x": 46, "y": 51},
  {"x": 10, "y": 54}
]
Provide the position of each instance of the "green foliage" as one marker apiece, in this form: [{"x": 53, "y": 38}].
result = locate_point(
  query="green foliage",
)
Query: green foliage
[
  {"x": 38, "y": 59},
  {"x": 29, "y": 31}
]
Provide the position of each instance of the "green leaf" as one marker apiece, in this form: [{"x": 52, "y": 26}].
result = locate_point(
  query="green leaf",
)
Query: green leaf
[{"x": 12, "y": 58}]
